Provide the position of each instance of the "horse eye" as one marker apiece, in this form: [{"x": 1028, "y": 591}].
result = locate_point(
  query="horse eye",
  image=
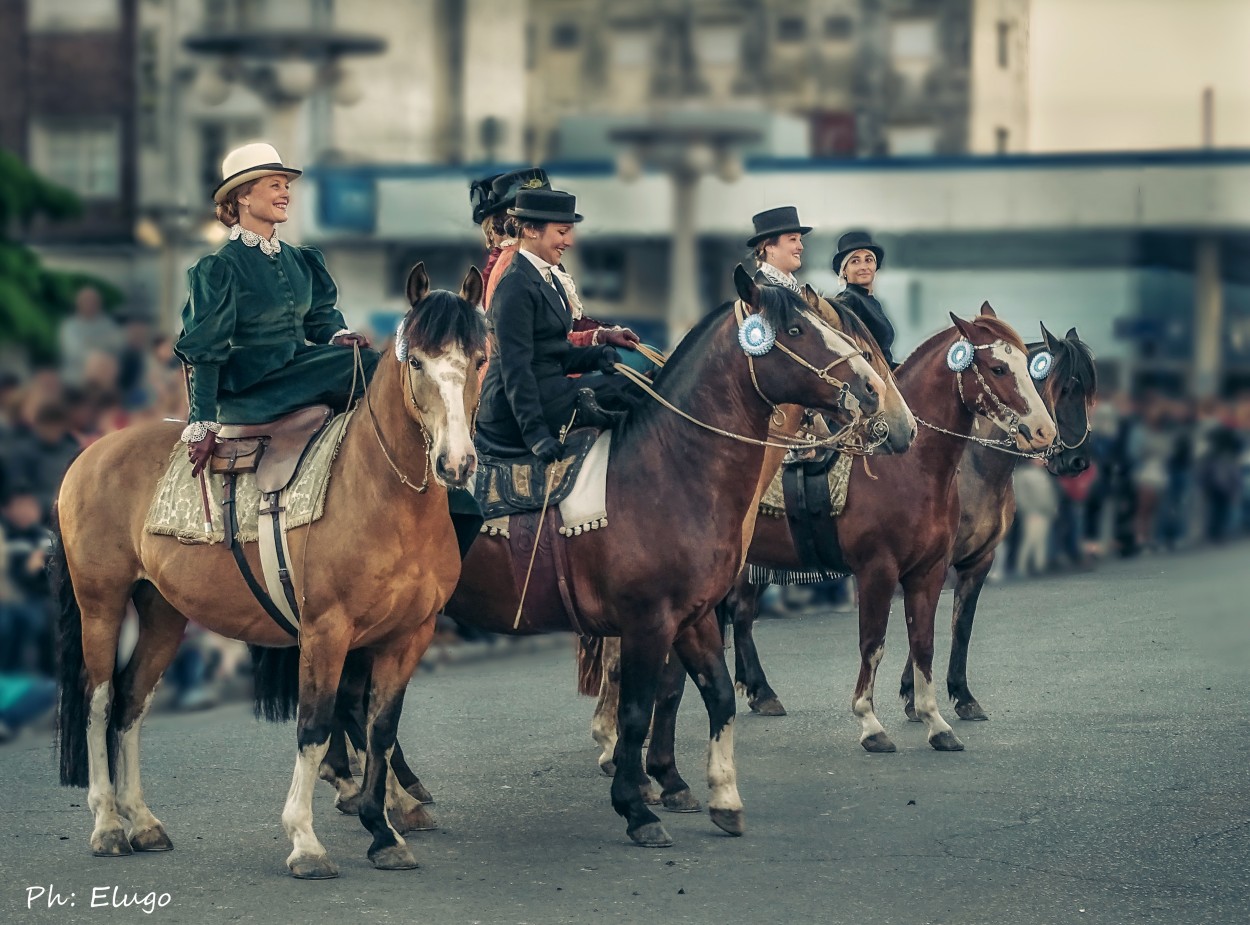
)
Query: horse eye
[
  {"x": 481, "y": 361},
  {"x": 866, "y": 355},
  {"x": 414, "y": 363},
  {"x": 999, "y": 370},
  {"x": 794, "y": 330}
]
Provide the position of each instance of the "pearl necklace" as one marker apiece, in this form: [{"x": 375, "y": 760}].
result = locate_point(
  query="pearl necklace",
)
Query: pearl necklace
[{"x": 268, "y": 246}]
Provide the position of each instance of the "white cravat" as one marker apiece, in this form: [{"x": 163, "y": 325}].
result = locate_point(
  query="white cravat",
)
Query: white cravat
[{"x": 780, "y": 277}]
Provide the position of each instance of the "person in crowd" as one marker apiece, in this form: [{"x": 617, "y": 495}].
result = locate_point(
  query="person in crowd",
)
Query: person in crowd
[
  {"x": 1154, "y": 447},
  {"x": 89, "y": 329},
  {"x": 1037, "y": 506},
  {"x": 40, "y": 449},
  {"x": 25, "y": 628}
]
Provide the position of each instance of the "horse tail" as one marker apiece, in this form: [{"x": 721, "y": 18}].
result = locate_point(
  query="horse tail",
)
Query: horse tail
[
  {"x": 589, "y": 665},
  {"x": 71, "y": 726},
  {"x": 275, "y": 682}
]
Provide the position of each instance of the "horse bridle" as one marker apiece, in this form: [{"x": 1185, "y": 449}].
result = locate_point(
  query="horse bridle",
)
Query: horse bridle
[
  {"x": 1006, "y": 444},
  {"x": 411, "y": 394}
]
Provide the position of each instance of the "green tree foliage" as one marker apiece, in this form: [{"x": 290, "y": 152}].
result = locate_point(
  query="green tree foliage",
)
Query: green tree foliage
[{"x": 34, "y": 299}]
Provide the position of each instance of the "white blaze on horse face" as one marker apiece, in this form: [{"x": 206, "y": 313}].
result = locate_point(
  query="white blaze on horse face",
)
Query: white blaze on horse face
[
  {"x": 854, "y": 370},
  {"x": 1036, "y": 418},
  {"x": 446, "y": 420}
]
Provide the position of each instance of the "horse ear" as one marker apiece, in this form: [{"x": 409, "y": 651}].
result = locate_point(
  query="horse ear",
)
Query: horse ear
[
  {"x": 966, "y": 328},
  {"x": 418, "y": 286},
  {"x": 1072, "y": 335},
  {"x": 747, "y": 290},
  {"x": 472, "y": 288},
  {"x": 1047, "y": 337},
  {"x": 988, "y": 310},
  {"x": 811, "y": 298}
]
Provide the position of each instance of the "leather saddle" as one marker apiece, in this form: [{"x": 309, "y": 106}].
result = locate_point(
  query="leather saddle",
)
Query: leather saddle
[
  {"x": 272, "y": 450},
  {"x": 513, "y": 484},
  {"x": 810, "y": 510}
]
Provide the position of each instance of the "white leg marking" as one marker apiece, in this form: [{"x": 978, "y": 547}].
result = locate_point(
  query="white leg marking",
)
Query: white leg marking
[
  {"x": 722, "y": 776},
  {"x": 863, "y": 707},
  {"x": 297, "y": 813},
  {"x": 927, "y": 705},
  {"x": 101, "y": 797},
  {"x": 129, "y": 789}
]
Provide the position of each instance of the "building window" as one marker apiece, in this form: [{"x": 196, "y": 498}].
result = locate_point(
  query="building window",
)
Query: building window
[
  {"x": 231, "y": 15},
  {"x": 791, "y": 29},
  {"x": 631, "y": 48},
  {"x": 83, "y": 155},
  {"x": 913, "y": 40},
  {"x": 73, "y": 15},
  {"x": 565, "y": 36},
  {"x": 1001, "y": 139},
  {"x": 838, "y": 28},
  {"x": 718, "y": 44},
  {"x": 602, "y": 274},
  {"x": 1004, "y": 38}
]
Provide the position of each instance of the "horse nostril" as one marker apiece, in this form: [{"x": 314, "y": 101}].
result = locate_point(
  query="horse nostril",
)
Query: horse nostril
[
  {"x": 441, "y": 464},
  {"x": 1025, "y": 432},
  {"x": 1080, "y": 464}
]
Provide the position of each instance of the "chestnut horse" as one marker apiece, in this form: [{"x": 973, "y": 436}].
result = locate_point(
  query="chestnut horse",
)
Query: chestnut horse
[
  {"x": 899, "y": 527},
  {"x": 987, "y": 503},
  {"x": 372, "y": 573},
  {"x": 895, "y": 430}
]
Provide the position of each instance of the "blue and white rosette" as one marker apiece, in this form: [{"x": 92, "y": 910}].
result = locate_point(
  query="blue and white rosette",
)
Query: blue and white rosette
[
  {"x": 960, "y": 356},
  {"x": 401, "y": 342},
  {"x": 756, "y": 336},
  {"x": 1041, "y": 364}
]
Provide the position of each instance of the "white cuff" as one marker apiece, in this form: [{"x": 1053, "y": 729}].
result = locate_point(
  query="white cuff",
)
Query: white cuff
[
  {"x": 198, "y": 430},
  {"x": 343, "y": 331}
]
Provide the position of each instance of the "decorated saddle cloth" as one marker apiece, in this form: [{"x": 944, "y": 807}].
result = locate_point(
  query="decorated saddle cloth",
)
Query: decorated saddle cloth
[
  {"x": 508, "y": 486},
  {"x": 808, "y": 494},
  {"x": 177, "y": 509}
]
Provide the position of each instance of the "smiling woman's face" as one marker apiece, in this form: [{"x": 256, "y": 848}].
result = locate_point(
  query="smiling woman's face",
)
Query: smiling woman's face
[
  {"x": 268, "y": 199},
  {"x": 860, "y": 268}
]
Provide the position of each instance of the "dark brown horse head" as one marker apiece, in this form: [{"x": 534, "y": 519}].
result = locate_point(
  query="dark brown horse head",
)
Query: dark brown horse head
[
  {"x": 816, "y": 366},
  {"x": 441, "y": 343},
  {"x": 1069, "y": 388},
  {"x": 900, "y": 423},
  {"x": 997, "y": 383}
]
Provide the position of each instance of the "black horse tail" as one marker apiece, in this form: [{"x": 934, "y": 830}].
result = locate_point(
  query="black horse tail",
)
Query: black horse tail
[
  {"x": 71, "y": 726},
  {"x": 275, "y": 682},
  {"x": 589, "y": 665}
]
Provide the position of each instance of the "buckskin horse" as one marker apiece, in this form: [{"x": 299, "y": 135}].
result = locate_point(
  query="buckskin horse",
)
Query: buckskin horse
[
  {"x": 987, "y": 503},
  {"x": 373, "y": 572},
  {"x": 899, "y": 526},
  {"x": 697, "y": 489}
]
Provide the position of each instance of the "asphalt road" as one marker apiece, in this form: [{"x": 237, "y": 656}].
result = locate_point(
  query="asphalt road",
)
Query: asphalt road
[{"x": 1111, "y": 785}]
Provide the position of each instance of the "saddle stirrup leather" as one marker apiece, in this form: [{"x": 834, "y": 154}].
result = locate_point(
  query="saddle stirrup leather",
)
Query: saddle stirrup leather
[{"x": 236, "y": 549}]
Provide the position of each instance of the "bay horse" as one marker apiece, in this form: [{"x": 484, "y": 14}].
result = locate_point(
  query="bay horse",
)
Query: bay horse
[
  {"x": 987, "y": 502},
  {"x": 372, "y": 574},
  {"x": 899, "y": 527},
  {"x": 483, "y": 569}
]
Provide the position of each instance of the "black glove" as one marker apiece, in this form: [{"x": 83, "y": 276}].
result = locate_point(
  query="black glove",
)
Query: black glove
[
  {"x": 547, "y": 449},
  {"x": 608, "y": 359}
]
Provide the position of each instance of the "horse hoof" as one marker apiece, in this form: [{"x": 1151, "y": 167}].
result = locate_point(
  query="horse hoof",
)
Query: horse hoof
[
  {"x": 651, "y": 835},
  {"x": 418, "y": 792},
  {"x": 728, "y": 820},
  {"x": 770, "y": 706},
  {"x": 650, "y": 795},
  {"x": 318, "y": 867},
  {"x": 912, "y": 715},
  {"x": 971, "y": 711},
  {"x": 681, "y": 801},
  {"x": 608, "y": 767},
  {"x": 111, "y": 844},
  {"x": 153, "y": 839},
  {"x": 416, "y": 819},
  {"x": 349, "y": 806},
  {"x": 394, "y": 857},
  {"x": 878, "y": 743},
  {"x": 946, "y": 742}
]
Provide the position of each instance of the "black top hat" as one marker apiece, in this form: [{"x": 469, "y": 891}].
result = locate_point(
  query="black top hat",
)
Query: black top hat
[
  {"x": 772, "y": 222},
  {"x": 480, "y": 197},
  {"x": 856, "y": 241},
  {"x": 505, "y": 187},
  {"x": 545, "y": 205}
]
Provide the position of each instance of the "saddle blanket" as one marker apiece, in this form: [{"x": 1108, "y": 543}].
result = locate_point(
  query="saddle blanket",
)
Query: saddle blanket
[
  {"x": 585, "y": 506},
  {"x": 773, "y": 504},
  {"x": 177, "y": 509}
]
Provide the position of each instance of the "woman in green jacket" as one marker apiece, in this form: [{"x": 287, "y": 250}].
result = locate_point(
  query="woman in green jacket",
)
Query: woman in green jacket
[{"x": 261, "y": 329}]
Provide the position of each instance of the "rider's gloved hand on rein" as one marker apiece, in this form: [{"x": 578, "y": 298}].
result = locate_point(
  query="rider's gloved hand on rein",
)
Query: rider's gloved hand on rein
[
  {"x": 608, "y": 359},
  {"x": 620, "y": 337},
  {"x": 547, "y": 449},
  {"x": 351, "y": 339}
]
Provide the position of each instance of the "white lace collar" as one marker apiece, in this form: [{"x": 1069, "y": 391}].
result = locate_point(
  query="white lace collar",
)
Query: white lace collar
[
  {"x": 781, "y": 278},
  {"x": 268, "y": 246}
]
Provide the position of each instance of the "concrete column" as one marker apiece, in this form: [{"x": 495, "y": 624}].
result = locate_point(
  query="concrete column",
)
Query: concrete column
[
  {"x": 1208, "y": 318},
  {"x": 684, "y": 309}
]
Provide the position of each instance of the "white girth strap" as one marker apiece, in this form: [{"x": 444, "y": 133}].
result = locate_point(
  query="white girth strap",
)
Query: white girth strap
[{"x": 270, "y": 563}]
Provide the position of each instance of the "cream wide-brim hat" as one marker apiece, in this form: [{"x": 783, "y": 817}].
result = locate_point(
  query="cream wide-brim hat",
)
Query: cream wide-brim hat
[{"x": 248, "y": 163}]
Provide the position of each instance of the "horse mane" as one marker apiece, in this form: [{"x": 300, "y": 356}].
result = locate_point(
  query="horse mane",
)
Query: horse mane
[
  {"x": 853, "y": 327},
  {"x": 1000, "y": 330},
  {"x": 1075, "y": 359},
  {"x": 441, "y": 319}
]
